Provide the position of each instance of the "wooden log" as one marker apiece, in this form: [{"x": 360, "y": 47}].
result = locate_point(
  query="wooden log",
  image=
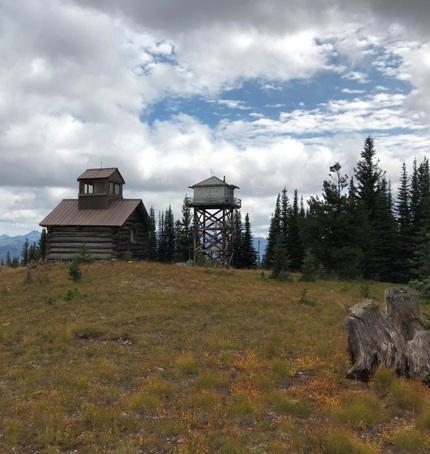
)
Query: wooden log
[
  {"x": 395, "y": 339},
  {"x": 418, "y": 355},
  {"x": 403, "y": 311},
  {"x": 373, "y": 341}
]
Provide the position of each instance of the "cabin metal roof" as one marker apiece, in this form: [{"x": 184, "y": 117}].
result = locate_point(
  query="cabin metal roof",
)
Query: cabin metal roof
[
  {"x": 213, "y": 181},
  {"x": 67, "y": 213},
  {"x": 103, "y": 173}
]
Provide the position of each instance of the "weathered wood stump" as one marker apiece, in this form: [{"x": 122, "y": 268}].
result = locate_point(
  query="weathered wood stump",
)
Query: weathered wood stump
[{"x": 395, "y": 339}]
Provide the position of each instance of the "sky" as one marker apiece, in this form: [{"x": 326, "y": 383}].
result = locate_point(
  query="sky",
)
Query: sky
[{"x": 269, "y": 94}]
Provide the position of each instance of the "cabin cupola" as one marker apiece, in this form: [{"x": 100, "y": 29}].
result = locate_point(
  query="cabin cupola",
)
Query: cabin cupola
[{"x": 99, "y": 187}]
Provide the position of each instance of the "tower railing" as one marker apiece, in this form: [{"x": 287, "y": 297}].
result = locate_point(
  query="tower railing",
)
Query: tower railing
[{"x": 213, "y": 201}]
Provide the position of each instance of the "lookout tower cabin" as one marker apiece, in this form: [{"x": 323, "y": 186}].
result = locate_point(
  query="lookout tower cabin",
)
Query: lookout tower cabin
[
  {"x": 214, "y": 204},
  {"x": 100, "y": 218}
]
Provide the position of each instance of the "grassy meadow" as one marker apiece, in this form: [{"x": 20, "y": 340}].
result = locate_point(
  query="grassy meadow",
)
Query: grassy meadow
[{"x": 149, "y": 358}]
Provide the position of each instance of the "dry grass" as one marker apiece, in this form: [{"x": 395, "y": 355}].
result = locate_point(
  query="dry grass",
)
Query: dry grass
[{"x": 140, "y": 357}]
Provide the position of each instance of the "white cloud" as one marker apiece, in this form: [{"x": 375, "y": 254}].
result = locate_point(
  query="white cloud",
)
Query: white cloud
[{"x": 76, "y": 76}]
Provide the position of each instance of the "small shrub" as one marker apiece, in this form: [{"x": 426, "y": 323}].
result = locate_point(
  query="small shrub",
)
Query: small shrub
[
  {"x": 365, "y": 290},
  {"x": 28, "y": 277},
  {"x": 309, "y": 268},
  {"x": 383, "y": 381},
  {"x": 280, "y": 368},
  {"x": 405, "y": 398},
  {"x": 71, "y": 294},
  {"x": 87, "y": 333},
  {"x": 44, "y": 279},
  {"x": 75, "y": 273},
  {"x": 422, "y": 421},
  {"x": 207, "y": 380},
  {"x": 409, "y": 440},
  {"x": 83, "y": 254},
  {"x": 187, "y": 363},
  {"x": 283, "y": 404},
  {"x": 241, "y": 406},
  {"x": 304, "y": 299},
  {"x": 360, "y": 410},
  {"x": 127, "y": 256},
  {"x": 339, "y": 442},
  {"x": 51, "y": 300}
]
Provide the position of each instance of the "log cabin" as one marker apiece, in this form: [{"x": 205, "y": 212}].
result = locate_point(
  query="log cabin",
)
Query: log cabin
[{"x": 100, "y": 218}]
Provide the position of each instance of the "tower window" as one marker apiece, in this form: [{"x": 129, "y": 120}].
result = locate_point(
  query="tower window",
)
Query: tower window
[{"x": 114, "y": 188}]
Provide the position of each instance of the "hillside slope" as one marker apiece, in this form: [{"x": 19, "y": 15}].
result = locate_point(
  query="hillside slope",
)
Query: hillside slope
[{"x": 140, "y": 357}]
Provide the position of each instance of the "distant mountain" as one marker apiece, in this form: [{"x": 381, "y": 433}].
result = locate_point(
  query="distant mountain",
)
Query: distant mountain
[{"x": 14, "y": 244}]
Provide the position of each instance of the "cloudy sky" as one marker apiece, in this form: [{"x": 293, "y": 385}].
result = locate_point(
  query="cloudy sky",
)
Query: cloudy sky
[{"x": 266, "y": 93}]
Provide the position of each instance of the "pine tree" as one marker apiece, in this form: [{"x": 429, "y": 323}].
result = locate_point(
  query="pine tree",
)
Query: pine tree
[
  {"x": 420, "y": 214},
  {"x": 249, "y": 254},
  {"x": 274, "y": 231},
  {"x": 237, "y": 261},
  {"x": 161, "y": 239},
  {"x": 8, "y": 259},
  {"x": 24, "y": 253},
  {"x": 295, "y": 247},
  {"x": 332, "y": 229},
  {"x": 385, "y": 260},
  {"x": 281, "y": 261},
  {"x": 369, "y": 177},
  {"x": 152, "y": 237},
  {"x": 169, "y": 229},
  {"x": 184, "y": 235},
  {"x": 42, "y": 244},
  {"x": 405, "y": 230}
]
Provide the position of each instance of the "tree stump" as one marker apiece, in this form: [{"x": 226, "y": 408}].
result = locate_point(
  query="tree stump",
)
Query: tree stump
[{"x": 395, "y": 339}]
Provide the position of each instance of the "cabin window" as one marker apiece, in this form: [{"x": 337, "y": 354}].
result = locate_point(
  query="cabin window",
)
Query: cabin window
[
  {"x": 114, "y": 188},
  {"x": 93, "y": 188},
  {"x": 98, "y": 187},
  {"x": 133, "y": 235}
]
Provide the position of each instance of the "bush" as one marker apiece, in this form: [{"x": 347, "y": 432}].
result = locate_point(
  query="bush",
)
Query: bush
[
  {"x": 383, "y": 381},
  {"x": 75, "y": 273}
]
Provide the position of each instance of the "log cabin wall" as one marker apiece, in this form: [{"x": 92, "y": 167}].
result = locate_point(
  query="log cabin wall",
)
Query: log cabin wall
[
  {"x": 137, "y": 242},
  {"x": 63, "y": 242}
]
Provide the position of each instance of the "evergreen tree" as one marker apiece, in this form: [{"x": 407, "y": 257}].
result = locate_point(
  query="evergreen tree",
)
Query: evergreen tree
[
  {"x": 405, "y": 230},
  {"x": 369, "y": 177},
  {"x": 161, "y": 238},
  {"x": 332, "y": 229},
  {"x": 24, "y": 253},
  {"x": 420, "y": 214},
  {"x": 169, "y": 229},
  {"x": 295, "y": 245},
  {"x": 249, "y": 254},
  {"x": 274, "y": 231},
  {"x": 2, "y": 263},
  {"x": 281, "y": 262},
  {"x": 184, "y": 235},
  {"x": 284, "y": 216},
  {"x": 42, "y": 244},
  {"x": 385, "y": 260},
  {"x": 238, "y": 259},
  {"x": 8, "y": 259},
  {"x": 152, "y": 237}
]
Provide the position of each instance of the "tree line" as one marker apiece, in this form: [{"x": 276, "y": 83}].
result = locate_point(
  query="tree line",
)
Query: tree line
[
  {"x": 356, "y": 228},
  {"x": 173, "y": 241},
  {"x": 29, "y": 253}
]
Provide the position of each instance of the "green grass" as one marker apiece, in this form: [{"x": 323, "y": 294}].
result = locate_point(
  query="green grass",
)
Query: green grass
[{"x": 139, "y": 357}]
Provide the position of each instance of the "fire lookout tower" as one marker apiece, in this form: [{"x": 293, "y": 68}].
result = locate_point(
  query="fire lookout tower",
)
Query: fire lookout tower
[{"x": 214, "y": 204}]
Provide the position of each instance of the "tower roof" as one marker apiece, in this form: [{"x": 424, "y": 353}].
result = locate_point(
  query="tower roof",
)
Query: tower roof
[
  {"x": 103, "y": 173},
  {"x": 213, "y": 181}
]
